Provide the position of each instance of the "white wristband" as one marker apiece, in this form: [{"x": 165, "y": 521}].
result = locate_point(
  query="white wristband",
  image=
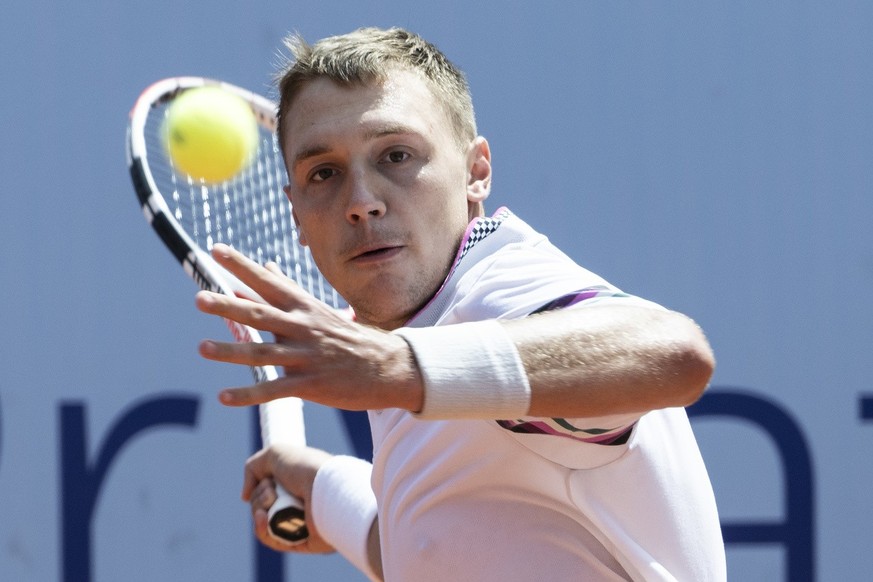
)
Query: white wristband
[
  {"x": 470, "y": 370},
  {"x": 344, "y": 507}
]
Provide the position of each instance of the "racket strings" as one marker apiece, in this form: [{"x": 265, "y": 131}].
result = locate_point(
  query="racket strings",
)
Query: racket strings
[{"x": 249, "y": 212}]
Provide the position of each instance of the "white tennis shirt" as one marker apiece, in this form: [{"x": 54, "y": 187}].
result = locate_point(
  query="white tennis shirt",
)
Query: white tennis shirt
[{"x": 614, "y": 498}]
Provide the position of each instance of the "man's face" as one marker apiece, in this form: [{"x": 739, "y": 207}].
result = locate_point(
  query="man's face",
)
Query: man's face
[{"x": 381, "y": 190}]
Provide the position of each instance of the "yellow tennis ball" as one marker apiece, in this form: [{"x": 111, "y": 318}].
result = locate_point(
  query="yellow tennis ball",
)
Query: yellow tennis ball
[{"x": 210, "y": 134}]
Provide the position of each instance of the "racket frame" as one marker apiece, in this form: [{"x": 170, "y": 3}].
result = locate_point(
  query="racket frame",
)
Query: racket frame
[{"x": 281, "y": 420}]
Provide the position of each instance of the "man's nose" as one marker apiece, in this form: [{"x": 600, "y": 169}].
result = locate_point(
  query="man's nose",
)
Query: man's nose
[{"x": 363, "y": 200}]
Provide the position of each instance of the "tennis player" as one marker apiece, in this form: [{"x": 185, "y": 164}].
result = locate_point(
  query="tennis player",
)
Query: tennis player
[{"x": 527, "y": 416}]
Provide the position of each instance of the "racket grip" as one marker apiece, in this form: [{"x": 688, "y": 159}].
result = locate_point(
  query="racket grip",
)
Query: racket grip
[{"x": 287, "y": 521}]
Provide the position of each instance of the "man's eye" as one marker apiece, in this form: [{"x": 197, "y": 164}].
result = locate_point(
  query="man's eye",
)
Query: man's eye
[
  {"x": 322, "y": 174},
  {"x": 396, "y": 157}
]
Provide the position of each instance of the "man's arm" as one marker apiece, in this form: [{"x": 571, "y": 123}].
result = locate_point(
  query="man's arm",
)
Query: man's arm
[{"x": 579, "y": 362}]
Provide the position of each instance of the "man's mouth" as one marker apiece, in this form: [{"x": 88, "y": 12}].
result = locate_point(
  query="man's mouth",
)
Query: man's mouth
[{"x": 376, "y": 253}]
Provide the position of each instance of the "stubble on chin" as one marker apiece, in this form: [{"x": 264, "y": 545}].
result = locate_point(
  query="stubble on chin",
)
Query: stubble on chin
[{"x": 388, "y": 303}]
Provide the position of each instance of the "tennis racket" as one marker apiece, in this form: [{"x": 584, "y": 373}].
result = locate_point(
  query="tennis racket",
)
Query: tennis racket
[{"x": 249, "y": 212}]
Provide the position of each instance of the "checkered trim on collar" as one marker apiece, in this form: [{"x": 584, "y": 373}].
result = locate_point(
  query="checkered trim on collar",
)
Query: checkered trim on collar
[{"x": 482, "y": 228}]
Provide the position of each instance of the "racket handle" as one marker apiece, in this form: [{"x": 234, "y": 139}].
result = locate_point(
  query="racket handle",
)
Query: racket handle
[{"x": 287, "y": 521}]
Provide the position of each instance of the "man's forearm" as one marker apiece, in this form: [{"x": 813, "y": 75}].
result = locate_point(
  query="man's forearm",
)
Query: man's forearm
[{"x": 597, "y": 361}]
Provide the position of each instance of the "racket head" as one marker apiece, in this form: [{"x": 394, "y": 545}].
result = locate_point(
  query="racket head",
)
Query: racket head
[{"x": 249, "y": 212}]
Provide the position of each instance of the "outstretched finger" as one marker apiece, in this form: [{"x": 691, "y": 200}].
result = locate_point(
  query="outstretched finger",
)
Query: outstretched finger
[
  {"x": 260, "y": 316},
  {"x": 253, "y": 353},
  {"x": 257, "y": 394},
  {"x": 269, "y": 282}
]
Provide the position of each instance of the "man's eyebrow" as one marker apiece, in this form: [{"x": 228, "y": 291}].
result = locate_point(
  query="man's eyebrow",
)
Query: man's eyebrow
[
  {"x": 376, "y": 132},
  {"x": 389, "y": 129},
  {"x": 311, "y": 152}
]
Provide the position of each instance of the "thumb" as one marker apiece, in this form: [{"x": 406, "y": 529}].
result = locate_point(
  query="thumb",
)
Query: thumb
[{"x": 257, "y": 468}]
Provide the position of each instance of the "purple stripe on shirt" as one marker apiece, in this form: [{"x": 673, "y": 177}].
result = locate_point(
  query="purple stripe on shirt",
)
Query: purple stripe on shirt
[
  {"x": 580, "y": 296},
  {"x": 538, "y": 427}
]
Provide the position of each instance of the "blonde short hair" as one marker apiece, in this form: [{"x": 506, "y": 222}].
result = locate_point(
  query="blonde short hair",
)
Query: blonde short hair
[{"x": 366, "y": 56}]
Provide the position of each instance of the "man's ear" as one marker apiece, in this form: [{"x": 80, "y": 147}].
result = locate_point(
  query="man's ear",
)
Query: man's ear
[
  {"x": 479, "y": 171},
  {"x": 301, "y": 238}
]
